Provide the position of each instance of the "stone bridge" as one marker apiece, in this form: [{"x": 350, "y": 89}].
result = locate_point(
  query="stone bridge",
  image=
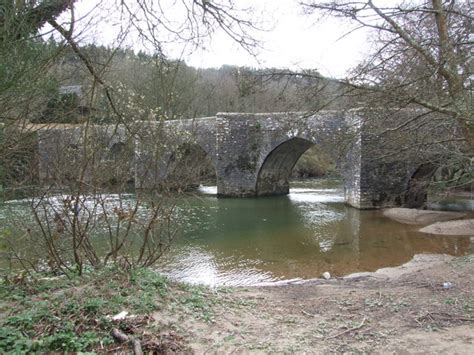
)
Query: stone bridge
[{"x": 252, "y": 154}]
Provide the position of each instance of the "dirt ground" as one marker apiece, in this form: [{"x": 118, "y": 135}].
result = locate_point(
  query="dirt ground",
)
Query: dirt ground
[{"x": 402, "y": 310}]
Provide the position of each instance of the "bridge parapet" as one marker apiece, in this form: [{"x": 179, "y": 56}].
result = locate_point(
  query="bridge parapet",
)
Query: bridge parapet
[{"x": 382, "y": 162}]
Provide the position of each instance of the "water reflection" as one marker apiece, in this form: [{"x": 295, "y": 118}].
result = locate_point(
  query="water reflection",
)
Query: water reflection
[
  {"x": 302, "y": 235},
  {"x": 249, "y": 241}
]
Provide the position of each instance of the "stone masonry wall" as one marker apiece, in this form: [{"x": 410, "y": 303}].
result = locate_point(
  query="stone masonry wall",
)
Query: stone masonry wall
[{"x": 253, "y": 154}]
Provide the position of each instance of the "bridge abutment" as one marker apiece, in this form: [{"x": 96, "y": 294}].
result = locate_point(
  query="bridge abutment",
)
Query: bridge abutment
[
  {"x": 253, "y": 154},
  {"x": 238, "y": 142}
]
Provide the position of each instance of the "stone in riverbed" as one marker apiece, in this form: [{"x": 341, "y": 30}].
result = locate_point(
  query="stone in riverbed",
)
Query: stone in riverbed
[
  {"x": 462, "y": 227},
  {"x": 326, "y": 275},
  {"x": 414, "y": 216}
]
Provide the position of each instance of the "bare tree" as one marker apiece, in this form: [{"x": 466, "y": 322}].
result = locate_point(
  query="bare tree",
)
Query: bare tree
[
  {"x": 422, "y": 56},
  {"x": 73, "y": 224}
]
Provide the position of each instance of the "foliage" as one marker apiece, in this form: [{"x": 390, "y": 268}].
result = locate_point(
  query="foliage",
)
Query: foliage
[
  {"x": 198, "y": 303},
  {"x": 421, "y": 63},
  {"x": 25, "y": 79},
  {"x": 151, "y": 87},
  {"x": 314, "y": 163},
  {"x": 73, "y": 314},
  {"x": 21, "y": 19},
  {"x": 60, "y": 108},
  {"x": 45, "y": 313}
]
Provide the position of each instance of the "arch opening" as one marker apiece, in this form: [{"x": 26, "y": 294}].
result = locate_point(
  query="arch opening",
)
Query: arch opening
[
  {"x": 278, "y": 167},
  {"x": 117, "y": 163},
  {"x": 416, "y": 194},
  {"x": 435, "y": 186},
  {"x": 443, "y": 186},
  {"x": 188, "y": 167}
]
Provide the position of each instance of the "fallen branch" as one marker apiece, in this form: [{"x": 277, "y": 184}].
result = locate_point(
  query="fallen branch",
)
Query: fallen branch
[
  {"x": 348, "y": 330},
  {"x": 119, "y": 336},
  {"x": 443, "y": 316},
  {"x": 308, "y": 314},
  {"x": 448, "y": 316},
  {"x": 124, "y": 338},
  {"x": 463, "y": 319},
  {"x": 137, "y": 346}
]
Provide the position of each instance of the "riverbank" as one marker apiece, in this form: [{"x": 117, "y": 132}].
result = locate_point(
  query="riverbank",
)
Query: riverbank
[
  {"x": 426, "y": 304},
  {"x": 403, "y": 309}
]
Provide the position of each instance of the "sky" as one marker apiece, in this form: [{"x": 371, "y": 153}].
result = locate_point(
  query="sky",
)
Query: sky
[
  {"x": 289, "y": 39},
  {"x": 297, "y": 41}
]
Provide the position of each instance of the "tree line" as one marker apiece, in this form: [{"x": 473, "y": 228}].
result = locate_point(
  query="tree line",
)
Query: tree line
[
  {"x": 420, "y": 64},
  {"x": 152, "y": 87}
]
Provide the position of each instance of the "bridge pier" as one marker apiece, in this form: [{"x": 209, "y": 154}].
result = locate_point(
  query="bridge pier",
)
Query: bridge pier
[
  {"x": 257, "y": 152},
  {"x": 253, "y": 154}
]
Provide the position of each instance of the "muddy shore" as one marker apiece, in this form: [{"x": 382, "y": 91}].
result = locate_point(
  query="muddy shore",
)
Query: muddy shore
[{"x": 424, "y": 306}]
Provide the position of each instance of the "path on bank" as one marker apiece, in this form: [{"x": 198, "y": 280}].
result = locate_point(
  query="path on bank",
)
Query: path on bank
[
  {"x": 397, "y": 309},
  {"x": 426, "y": 305}
]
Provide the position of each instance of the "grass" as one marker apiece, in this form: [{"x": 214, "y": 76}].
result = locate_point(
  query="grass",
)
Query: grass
[
  {"x": 74, "y": 314},
  {"x": 460, "y": 261},
  {"x": 48, "y": 314},
  {"x": 200, "y": 301},
  {"x": 199, "y": 304},
  {"x": 51, "y": 314}
]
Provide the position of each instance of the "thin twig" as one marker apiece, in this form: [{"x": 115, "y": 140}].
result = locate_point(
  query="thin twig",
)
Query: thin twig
[
  {"x": 348, "y": 330},
  {"x": 445, "y": 316},
  {"x": 308, "y": 314}
]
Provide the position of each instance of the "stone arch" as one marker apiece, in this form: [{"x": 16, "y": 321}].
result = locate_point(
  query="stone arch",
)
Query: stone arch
[
  {"x": 117, "y": 150},
  {"x": 187, "y": 165},
  {"x": 274, "y": 173},
  {"x": 117, "y": 164},
  {"x": 120, "y": 151},
  {"x": 416, "y": 188}
]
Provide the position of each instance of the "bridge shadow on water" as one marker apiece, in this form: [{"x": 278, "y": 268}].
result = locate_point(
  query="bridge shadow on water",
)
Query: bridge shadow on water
[
  {"x": 234, "y": 241},
  {"x": 247, "y": 241}
]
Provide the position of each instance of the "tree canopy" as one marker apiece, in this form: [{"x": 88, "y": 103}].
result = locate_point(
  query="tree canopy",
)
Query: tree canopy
[{"x": 422, "y": 54}]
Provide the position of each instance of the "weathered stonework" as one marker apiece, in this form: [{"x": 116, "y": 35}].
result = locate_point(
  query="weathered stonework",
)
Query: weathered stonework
[
  {"x": 103, "y": 155},
  {"x": 254, "y": 154},
  {"x": 157, "y": 143},
  {"x": 257, "y": 152}
]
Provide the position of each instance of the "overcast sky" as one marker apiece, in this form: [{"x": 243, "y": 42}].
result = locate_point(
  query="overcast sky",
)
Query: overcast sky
[
  {"x": 296, "y": 41},
  {"x": 291, "y": 39}
]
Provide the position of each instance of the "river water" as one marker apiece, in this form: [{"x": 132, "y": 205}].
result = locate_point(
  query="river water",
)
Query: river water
[
  {"x": 298, "y": 236},
  {"x": 251, "y": 241}
]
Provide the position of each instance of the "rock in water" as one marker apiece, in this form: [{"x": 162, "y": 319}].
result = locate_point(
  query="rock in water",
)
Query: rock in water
[
  {"x": 326, "y": 275},
  {"x": 462, "y": 227},
  {"x": 414, "y": 216}
]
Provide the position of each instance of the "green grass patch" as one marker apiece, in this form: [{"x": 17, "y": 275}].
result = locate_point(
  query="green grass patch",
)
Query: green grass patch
[{"x": 52, "y": 314}]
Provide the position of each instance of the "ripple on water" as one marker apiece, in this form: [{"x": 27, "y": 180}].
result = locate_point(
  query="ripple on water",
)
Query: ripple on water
[
  {"x": 305, "y": 195},
  {"x": 197, "y": 266},
  {"x": 298, "y": 236},
  {"x": 242, "y": 242},
  {"x": 207, "y": 190}
]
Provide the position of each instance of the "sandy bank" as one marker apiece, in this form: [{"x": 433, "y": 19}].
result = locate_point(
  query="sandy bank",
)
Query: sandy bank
[
  {"x": 422, "y": 217},
  {"x": 393, "y": 310},
  {"x": 461, "y": 227}
]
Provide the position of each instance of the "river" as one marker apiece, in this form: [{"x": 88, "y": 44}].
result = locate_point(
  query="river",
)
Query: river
[
  {"x": 298, "y": 236},
  {"x": 252, "y": 241}
]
